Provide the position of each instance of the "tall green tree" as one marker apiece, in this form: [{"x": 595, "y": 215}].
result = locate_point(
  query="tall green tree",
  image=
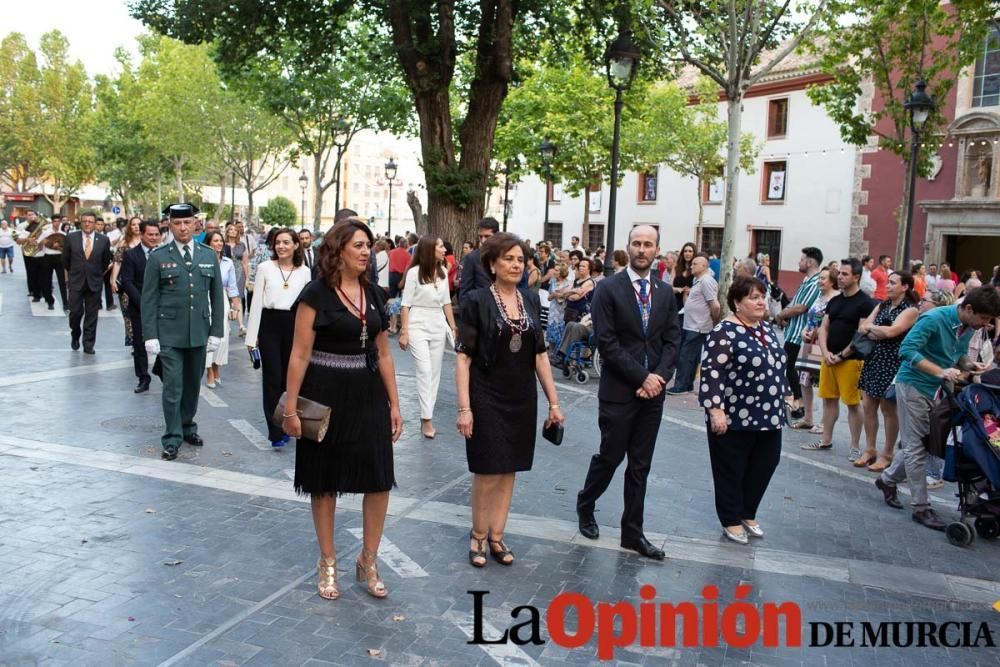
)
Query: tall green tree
[
  {"x": 125, "y": 158},
  {"x": 419, "y": 40},
  {"x": 255, "y": 146},
  {"x": 326, "y": 98},
  {"x": 568, "y": 104},
  {"x": 690, "y": 139},
  {"x": 66, "y": 122},
  {"x": 20, "y": 112},
  {"x": 180, "y": 97},
  {"x": 892, "y": 44},
  {"x": 735, "y": 43}
]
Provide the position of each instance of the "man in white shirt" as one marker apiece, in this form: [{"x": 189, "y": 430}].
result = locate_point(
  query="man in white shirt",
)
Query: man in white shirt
[
  {"x": 51, "y": 241},
  {"x": 700, "y": 312}
]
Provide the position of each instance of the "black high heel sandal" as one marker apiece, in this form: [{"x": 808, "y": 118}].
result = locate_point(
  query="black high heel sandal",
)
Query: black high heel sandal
[
  {"x": 480, "y": 552},
  {"x": 500, "y": 555}
]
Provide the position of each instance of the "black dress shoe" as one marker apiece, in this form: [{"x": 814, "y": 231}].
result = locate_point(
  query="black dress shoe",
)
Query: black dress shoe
[
  {"x": 169, "y": 453},
  {"x": 88, "y": 350},
  {"x": 35, "y": 299},
  {"x": 643, "y": 547},
  {"x": 588, "y": 525},
  {"x": 194, "y": 440},
  {"x": 928, "y": 518},
  {"x": 75, "y": 343},
  {"x": 51, "y": 307},
  {"x": 142, "y": 387},
  {"x": 889, "y": 494}
]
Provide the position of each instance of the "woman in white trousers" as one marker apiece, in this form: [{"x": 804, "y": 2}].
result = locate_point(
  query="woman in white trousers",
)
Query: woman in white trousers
[{"x": 427, "y": 322}]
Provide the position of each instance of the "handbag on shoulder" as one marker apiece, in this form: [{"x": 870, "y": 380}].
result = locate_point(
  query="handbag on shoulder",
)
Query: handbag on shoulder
[{"x": 314, "y": 417}]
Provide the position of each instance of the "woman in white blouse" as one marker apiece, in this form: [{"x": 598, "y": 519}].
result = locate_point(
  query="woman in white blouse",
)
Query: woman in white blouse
[
  {"x": 231, "y": 289},
  {"x": 272, "y": 325},
  {"x": 427, "y": 321}
]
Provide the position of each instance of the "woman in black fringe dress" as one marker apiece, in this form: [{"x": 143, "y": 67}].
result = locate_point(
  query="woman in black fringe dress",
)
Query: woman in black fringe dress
[{"x": 340, "y": 358}]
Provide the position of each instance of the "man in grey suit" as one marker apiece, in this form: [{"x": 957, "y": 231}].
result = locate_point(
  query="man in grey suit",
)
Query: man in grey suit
[{"x": 85, "y": 258}]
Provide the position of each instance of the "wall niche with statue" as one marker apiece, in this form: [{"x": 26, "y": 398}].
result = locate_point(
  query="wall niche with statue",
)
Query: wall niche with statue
[{"x": 978, "y": 136}]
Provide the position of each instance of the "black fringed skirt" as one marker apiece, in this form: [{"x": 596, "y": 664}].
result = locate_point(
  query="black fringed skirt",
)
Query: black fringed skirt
[{"x": 356, "y": 454}]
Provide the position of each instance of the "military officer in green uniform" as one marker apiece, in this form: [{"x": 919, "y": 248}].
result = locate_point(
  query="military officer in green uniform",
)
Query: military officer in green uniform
[{"x": 182, "y": 320}]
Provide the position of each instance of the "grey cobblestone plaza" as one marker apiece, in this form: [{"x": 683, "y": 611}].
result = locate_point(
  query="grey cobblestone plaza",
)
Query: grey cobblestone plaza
[{"x": 110, "y": 556}]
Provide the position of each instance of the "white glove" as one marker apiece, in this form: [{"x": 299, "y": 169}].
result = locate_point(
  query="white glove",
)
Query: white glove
[
  {"x": 153, "y": 346},
  {"x": 213, "y": 344}
]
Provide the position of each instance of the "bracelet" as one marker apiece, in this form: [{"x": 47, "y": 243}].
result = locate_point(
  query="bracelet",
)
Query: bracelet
[
  {"x": 294, "y": 414},
  {"x": 554, "y": 406},
  {"x": 461, "y": 410}
]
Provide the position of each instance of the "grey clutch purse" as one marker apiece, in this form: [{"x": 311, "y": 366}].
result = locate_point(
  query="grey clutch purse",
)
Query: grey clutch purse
[{"x": 314, "y": 417}]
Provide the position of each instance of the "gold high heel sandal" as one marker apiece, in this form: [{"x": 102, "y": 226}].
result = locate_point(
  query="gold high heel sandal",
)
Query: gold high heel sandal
[
  {"x": 366, "y": 570},
  {"x": 326, "y": 572}
]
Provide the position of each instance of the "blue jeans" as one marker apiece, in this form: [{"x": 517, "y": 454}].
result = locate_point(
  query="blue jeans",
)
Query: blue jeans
[{"x": 688, "y": 360}]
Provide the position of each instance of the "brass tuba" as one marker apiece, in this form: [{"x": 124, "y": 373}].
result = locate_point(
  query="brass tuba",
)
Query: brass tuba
[{"x": 31, "y": 246}]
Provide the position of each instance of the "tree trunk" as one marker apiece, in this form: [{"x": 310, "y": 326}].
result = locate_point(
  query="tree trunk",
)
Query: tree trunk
[
  {"x": 179, "y": 174},
  {"x": 249, "y": 205},
  {"x": 417, "y": 209},
  {"x": 699, "y": 230},
  {"x": 585, "y": 228},
  {"x": 317, "y": 191},
  {"x": 735, "y": 117}
]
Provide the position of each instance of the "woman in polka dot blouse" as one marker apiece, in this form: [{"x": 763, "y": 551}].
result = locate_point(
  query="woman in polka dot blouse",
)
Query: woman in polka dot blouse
[{"x": 743, "y": 391}]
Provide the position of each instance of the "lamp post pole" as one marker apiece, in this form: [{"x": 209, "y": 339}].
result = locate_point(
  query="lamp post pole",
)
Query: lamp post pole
[
  {"x": 547, "y": 149},
  {"x": 621, "y": 59},
  {"x": 341, "y": 135},
  {"x": 920, "y": 105},
  {"x": 613, "y": 196},
  {"x": 303, "y": 184},
  {"x": 390, "y": 175}
]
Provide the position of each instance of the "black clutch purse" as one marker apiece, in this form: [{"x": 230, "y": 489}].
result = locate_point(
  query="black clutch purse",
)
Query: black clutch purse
[{"x": 553, "y": 433}]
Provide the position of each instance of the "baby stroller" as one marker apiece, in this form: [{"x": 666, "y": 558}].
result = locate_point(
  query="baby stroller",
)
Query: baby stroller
[{"x": 974, "y": 463}]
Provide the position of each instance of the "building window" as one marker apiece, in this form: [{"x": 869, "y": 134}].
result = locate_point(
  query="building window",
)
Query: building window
[
  {"x": 986, "y": 81},
  {"x": 711, "y": 241},
  {"x": 768, "y": 242},
  {"x": 777, "y": 118},
  {"x": 773, "y": 184},
  {"x": 714, "y": 191},
  {"x": 647, "y": 186},
  {"x": 554, "y": 191},
  {"x": 553, "y": 234},
  {"x": 595, "y": 236}
]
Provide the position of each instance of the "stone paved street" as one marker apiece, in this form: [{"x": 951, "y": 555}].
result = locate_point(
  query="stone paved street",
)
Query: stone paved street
[{"x": 110, "y": 556}]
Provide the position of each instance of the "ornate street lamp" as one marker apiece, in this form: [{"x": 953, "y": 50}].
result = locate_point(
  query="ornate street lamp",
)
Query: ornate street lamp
[
  {"x": 547, "y": 150},
  {"x": 920, "y": 105},
  {"x": 390, "y": 175},
  {"x": 341, "y": 135},
  {"x": 621, "y": 60},
  {"x": 303, "y": 184}
]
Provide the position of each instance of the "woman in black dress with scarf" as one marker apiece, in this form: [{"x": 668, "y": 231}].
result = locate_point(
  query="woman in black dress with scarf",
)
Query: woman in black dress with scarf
[
  {"x": 340, "y": 358},
  {"x": 501, "y": 350}
]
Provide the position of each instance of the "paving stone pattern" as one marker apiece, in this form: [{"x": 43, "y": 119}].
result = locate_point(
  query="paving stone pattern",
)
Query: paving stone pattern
[{"x": 100, "y": 567}]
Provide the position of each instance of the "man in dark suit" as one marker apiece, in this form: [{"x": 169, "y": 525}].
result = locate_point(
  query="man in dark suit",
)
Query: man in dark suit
[
  {"x": 85, "y": 258},
  {"x": 132, "y": 273},
  {"x": 635, "y": 322},
  {"x": 473, "y": 273}
]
